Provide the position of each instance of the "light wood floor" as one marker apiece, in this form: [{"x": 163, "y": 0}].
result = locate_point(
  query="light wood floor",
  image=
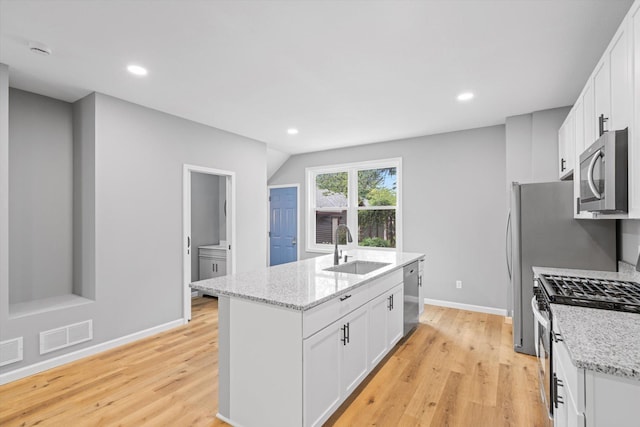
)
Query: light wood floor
[{"x": 457, "y": 369}]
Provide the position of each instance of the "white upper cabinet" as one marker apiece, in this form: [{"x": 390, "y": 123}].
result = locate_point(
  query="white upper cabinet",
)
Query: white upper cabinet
[
  {"x": 620, "y": 74},
  {"x": 602, "y": 95},
  {"x": 609, "y": 101},
  {"x": 588, "y": 120},
  {"x": 566, "y": 147}
]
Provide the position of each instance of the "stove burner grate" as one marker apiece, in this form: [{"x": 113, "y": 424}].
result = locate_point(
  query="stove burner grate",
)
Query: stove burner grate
[{"x": 597, "y": 293}]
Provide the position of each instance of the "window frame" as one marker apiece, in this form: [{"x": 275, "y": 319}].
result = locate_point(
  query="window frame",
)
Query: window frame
[{"x": 352, "y": 207}]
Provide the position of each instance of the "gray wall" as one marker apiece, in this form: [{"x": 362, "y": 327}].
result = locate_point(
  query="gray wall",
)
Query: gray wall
[
  {"x": 139, "y": 158},
  {"x": 453, "y": 188},
  {"x": 629, "y": 240},
  {"x": 532, "y": 146},
  {"x": 40, "y": 197},
  {"x": 205, "y": 212}
]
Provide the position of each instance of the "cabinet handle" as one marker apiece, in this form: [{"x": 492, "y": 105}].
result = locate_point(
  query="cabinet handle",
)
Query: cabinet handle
[
  {"x": 391, "y": 301},
  {"x": 348, "y": 332},
  {"x": 562, "y": 165},
  {"x": 345, "y": 297},
  {"x": 345, "y": 334},
  {"x": 420, "y": 281},
  {"x": 557, "y": 337},
  {"x": 601, "y": 120}
]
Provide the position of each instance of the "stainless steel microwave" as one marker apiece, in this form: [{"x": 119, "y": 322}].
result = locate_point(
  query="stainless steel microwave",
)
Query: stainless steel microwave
[{"x": 604, "y": 174}]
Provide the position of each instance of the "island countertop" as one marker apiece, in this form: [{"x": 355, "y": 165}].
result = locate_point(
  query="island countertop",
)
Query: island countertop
[{"x": 303, "y": 284}]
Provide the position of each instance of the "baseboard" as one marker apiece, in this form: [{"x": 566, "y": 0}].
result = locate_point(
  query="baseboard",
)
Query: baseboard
[
  {"x": 469, "y": 307},
  {"x": 38, "y": 367}
]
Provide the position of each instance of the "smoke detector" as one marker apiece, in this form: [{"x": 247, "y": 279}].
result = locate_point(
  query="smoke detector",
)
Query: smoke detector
[{"x": 39, "y": 48}]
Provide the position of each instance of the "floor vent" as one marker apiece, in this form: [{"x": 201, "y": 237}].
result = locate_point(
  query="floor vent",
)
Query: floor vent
[
  {"x": 10, "y": 351},
  {"x": 55, "y": 339}
]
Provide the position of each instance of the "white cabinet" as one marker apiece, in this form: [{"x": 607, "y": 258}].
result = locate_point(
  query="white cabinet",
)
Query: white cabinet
[
  {"x": 212, "y": 261},
  {"x": 321, "y": 378},
  {"x": 385, "y": 323},
  {"x": 355, "y": 366},
  {"x": 585, "y": 398},
  {"x": 566, "y": 147},
  {"x": 568, "y": 390},
  {"x": 589, "y": 122},
  {"x": 610, "y": 100}
]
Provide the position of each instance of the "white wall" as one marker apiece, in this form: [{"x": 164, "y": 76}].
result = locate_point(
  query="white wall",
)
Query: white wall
[
  {"x": 41, "y": 197},
  {"x": 139, "y": 157},
  {"x": 453, "y": 192}
]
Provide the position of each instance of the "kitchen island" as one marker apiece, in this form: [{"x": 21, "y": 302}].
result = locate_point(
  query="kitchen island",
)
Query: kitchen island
[{"x": 295, "y": 340}]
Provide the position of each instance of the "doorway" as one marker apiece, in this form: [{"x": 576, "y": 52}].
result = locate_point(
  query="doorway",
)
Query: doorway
[
  {"x": 208, "y": 214},
  {"x": 283, "y": 224}
]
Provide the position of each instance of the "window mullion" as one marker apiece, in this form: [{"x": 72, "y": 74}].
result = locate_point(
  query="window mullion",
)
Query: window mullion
[{"x": 352, "y": 213}]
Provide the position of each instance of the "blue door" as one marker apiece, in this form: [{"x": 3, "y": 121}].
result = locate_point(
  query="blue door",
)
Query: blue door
[{"x": 283, "y": 225}]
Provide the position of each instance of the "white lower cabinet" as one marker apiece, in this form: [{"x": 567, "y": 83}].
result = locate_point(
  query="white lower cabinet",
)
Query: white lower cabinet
[
  {"x": 585, "y": 398},
  {"x": 354, "y": 341},
  {"x": 338, "y": 357},
  {"x": 385, "y": 323},
  {"x": 281, "y": 367},
  {"x": 322, "y": 383}
]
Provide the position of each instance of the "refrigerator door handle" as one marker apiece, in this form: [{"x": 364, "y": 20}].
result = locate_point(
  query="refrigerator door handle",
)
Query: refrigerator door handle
[{"x": 508, "y": 255}]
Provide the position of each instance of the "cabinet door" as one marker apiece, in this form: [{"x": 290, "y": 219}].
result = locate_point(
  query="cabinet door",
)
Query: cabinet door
[
  {"x": 221, "y": 267},
  {"x": 321, "y": 390},
  {"x": 354, "y": 351},
  {"x": 206, "y": 268},
  {"x": 395, "y": 316},
  {"x": 620, "y": 74},
  {"x": 589, "y": 120},
  {"x": 421, "y": 294},
  {"x": 566, "y": 146},
  {"x": 602, "y": 93},
  {"x": 378, "y": 329}
]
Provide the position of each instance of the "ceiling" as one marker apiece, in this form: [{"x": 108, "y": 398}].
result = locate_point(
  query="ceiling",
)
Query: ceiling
[{"x": 342, "y": 72}]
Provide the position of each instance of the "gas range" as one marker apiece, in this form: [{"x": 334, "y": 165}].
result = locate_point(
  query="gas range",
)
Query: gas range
[{"x": 618, "y": 295}]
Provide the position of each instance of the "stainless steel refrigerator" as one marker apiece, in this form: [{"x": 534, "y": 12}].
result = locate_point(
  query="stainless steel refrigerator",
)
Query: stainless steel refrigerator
[{"x": 541, "y": 231}]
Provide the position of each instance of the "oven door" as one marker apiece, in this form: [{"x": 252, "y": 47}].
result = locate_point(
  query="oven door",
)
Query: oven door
[{"x": 542, "y": 331}]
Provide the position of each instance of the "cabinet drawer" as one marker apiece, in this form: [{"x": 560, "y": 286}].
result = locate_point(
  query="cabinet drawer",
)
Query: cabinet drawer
[
  {"x": 213, "y": 252},
  {"x": 328, "y": 312},
  {"x": 385, "y": 283}
]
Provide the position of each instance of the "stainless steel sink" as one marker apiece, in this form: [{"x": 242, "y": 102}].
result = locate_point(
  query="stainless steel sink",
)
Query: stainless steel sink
[{"x": 357, "y": 267}]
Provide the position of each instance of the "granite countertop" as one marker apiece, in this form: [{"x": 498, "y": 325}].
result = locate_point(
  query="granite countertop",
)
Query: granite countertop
[
  {"x": 599, "y": 340},
  {"x": 304, "y": 284}
]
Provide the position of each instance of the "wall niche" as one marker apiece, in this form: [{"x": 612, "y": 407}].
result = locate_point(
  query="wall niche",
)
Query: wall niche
[{"x": 51, "y": 199}]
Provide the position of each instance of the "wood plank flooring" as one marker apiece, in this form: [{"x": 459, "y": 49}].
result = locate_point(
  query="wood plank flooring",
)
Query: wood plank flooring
[{"x": 458, "y": 368}]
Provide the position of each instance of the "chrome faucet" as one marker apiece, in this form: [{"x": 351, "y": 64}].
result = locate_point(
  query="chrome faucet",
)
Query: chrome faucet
[{"x": 336, "y": 257}]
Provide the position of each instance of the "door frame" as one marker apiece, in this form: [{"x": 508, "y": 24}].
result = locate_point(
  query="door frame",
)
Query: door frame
[
  {"x": 269, "y": 187},
  {"x": 230, "y": 177}
]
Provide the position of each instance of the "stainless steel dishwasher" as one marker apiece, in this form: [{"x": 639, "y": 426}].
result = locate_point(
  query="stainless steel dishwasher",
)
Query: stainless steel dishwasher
[{"x": 411, "y": 297}]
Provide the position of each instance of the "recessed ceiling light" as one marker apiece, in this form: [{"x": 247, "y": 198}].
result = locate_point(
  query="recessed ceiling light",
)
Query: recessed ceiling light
[
  {"x": 137, "y": 70},
  {"x": 292, "y": 131},
  {"x": 465, "y": 96}
]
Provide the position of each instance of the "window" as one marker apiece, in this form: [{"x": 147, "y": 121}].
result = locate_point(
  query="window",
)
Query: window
[{"x": 364, "y": 196}]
